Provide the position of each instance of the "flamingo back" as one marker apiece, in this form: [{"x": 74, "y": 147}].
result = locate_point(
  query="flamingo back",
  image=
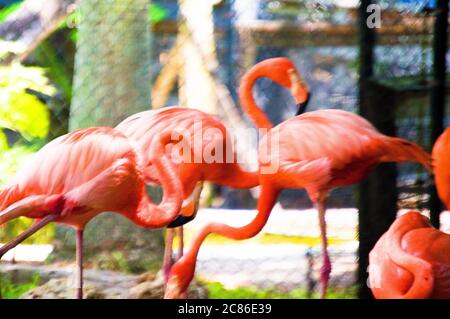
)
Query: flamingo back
[
  {"x": 198, "y": 129},
  {"x": 67, "y": 163},
  {"x": 441, "y": 165},
  {"x": 421, "y": 240},
  {"x": 350, "y": 144}
]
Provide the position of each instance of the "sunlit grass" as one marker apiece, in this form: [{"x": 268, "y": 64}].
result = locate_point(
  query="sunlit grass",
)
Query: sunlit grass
[
  {"x": 218, "y": 291},
  {"x": 11, "y": 290}
]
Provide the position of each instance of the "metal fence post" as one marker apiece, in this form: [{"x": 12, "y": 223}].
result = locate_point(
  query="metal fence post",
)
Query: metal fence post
[{"x": 438, "y": 92}]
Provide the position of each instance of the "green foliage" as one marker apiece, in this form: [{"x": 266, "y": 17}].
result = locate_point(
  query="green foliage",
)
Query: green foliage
[
  {"x": 121, "y": 261},
  {"x": 218, "y": 291},
  {"x": 21, "y": 111},
  {"x": 24, "y": 113},
  {"x": 156, "y": 13},
  {"x": 12, "y": 229},
  {"x": 70, "y": 22},
  {"x": 10, "y": 290},
  {"x": 57, "y": 69},
  {"x": 6, "y": 12}
]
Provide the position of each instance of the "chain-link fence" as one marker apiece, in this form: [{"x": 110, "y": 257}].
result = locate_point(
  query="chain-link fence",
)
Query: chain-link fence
[
  {"x": 70, "y": 64},
  {"x": 403, "y": 68}
]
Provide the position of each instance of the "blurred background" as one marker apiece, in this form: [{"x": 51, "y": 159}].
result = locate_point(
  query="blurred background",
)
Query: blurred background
[{"x": 67, "y": 64}]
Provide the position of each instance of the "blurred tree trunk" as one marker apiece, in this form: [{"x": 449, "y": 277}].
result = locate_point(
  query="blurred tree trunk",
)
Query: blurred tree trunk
[
  {"x": 197, "y": 49},
  {"x": 112, "y": 63},
  {"x": 112, "y": 81}
]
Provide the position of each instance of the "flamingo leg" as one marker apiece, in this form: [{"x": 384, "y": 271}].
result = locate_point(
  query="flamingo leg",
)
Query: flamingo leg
[
  {"x": 180, "y": 235},
  {"x": 79, "y": 256},
  {"x": 168, "y": 260},
  {"x": 27, "y": 233},
  {"x": 326, "y": 265}
]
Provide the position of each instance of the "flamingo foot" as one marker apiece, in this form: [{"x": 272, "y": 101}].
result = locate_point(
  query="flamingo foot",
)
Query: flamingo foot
[{"x": 325, "y": 272}]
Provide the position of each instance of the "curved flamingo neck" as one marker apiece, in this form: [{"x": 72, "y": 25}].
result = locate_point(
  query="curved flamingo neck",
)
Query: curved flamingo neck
[
  {"x": 265, "y": 204},
  {"x": 239, "y": 178},
  {"x": 423, "y": 282},
  {"x": 157, "y": 216},
  {"x": 248, "y": 101},
  {"x": 246, "y": 179}
]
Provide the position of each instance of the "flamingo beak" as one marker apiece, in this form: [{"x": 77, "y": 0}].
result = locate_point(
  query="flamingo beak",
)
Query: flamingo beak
[
  {"x": 299, "y": 91},
  {"x": 188, "y": 212},
  {"x": 180, "y": 221},
  {"x": 189, "y": 208},
  {"x": 301, "y": 107}
]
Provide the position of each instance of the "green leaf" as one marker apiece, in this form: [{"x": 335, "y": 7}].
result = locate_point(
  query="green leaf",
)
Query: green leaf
[
  {"x": 19, "y": 78},
  {"x": 13, "y": 290},
  {"x": 156, "y": 13},
  {"x": 6, "y": 12},
  {"x": 24, "y": 113},
  {"x": 19, "y": 110}
]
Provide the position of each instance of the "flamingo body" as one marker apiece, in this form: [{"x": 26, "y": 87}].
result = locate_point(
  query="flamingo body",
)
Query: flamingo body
[
  {"x": 68, "y": 163},
  {"x": 317, "y": 151},
  {"x": 340, "y": 147},
  {"x": 202, "y": 132},
  {"x": 202, "y": 135},
  {"x": 412, "y": 260},
  {"x": 441, "y": 166},
  {"x": 82, "y": 174}
]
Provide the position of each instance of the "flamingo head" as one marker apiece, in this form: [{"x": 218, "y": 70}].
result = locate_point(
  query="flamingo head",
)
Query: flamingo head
[
  {"x": 283, "y": 72},
  {"x": 189, "y": 208},
  {"x": 299, "y": 91},
  {"x": 180, "y": 276}
]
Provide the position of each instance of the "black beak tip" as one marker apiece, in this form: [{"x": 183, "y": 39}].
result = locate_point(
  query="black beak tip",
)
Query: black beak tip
[
  {"x": 301, "y": 107},
  {"x": 180, "y": 221}
]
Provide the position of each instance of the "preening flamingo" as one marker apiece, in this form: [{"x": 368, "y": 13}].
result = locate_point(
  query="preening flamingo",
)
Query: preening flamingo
[
  {"x": 202, "y": 134},
  {"x": 411, "y": 260},
  {"x": 317, "y": 151},
  {"x": 84, "y": 173}
]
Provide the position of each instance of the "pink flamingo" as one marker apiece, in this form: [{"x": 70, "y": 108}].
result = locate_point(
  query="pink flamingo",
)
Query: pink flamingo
[
  {"x": 82, "y": 174},
  {"x": 142, "y": 127},
  {"x": 317, "y": 151},
  {"x": 201, "y": 133},
  {"x": 411, "y": 261}
]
